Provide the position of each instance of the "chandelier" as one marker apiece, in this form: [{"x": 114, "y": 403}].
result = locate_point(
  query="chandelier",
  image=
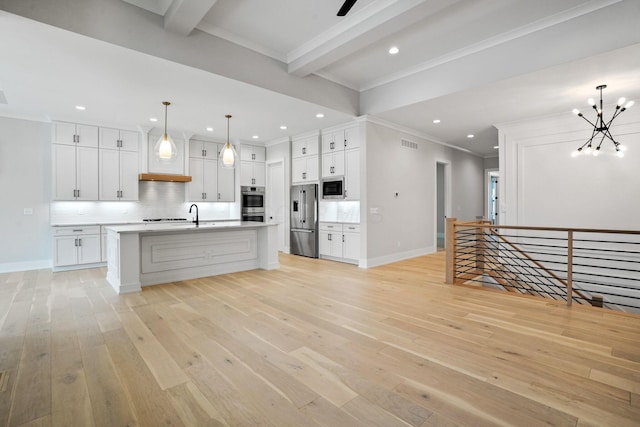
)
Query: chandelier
[{"x": 601, "y": 127}]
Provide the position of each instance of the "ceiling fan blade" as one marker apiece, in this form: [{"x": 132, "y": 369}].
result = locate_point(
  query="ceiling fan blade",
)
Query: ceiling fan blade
[{"x": 346, "y": 7}]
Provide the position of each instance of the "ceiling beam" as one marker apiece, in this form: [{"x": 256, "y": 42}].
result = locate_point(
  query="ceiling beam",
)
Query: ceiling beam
[
  {"x": 359, "y": 30},
  {"x": 183, "y": 15}
]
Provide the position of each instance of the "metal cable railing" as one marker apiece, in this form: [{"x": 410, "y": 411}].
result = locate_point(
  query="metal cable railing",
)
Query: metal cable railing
[{"x": 585, "y": 266}]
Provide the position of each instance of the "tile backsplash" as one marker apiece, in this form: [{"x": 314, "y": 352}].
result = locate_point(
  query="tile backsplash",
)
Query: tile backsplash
[
  {"x": 156, "y": 200},
  {"x": 339, "y": 211}
]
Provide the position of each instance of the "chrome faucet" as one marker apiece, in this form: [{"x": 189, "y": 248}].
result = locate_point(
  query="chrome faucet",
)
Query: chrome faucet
[{"x": 197, "y": 220}]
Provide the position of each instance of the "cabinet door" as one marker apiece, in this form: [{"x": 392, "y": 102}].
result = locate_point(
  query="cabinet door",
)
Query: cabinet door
[
  {"x": 64, "y": 133},
  {"x": 259, "y": 174},
  {"x": 298, "y": 169},
  {"x": 324, "y": 245},
  {"x": 352, "y": 174},
  {"x": 210, "y": 180},
  {"x": 196, "y": 186},
  {"x": 109, "y": 138},
  {"x": 335, "y": 240},
  {"x": 246, "y": 173},
  {"x": 87, "y": 173},
  {"x": 89, "y": 249},
  {"x": 130, "y": 141},
  {"x": 312, "y": 168},
  {"x": 259, "y": 154},
  {"x": 87, "y": 136},
  {"x": 196, "y": 150},
  {"x": 333, "y": 164},
  {"x": 65, "y": 251},
  {"x": 352, "y": 138},
  {"x": 64, "y": 172},
  {"x": 129, "y": 175},
  {"x": 210, "y": 150},
  {"x": 109, "y": 174},
  {"x": 351, "y": 246},
  {"x": 226, "y": 185},
  {"x": 332, "y": 142}
]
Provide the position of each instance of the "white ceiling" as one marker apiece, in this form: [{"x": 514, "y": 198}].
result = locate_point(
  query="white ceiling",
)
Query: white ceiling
[{"x": 470, "y": 63}]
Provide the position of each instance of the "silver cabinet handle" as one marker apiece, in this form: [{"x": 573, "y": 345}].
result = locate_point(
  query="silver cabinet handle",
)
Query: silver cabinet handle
[
  {"x": 304, "y": 150},
  {"x": 218, "y": 196},
  {"x": 343, "y": 238}
]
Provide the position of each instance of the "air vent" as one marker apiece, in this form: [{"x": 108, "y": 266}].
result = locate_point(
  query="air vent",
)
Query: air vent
[{"x": 409, "y": 144}]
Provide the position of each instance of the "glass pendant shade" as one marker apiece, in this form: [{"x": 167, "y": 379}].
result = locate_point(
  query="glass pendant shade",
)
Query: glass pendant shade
[
  {"x": 228, "y": 155},
  {"x": 165, "y": 148}
]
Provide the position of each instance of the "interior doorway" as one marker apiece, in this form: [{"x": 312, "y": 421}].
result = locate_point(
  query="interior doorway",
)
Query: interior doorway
[
  {"x": 275, "y": 203},
  {"x": 443, "y": 200},
  {"x": 492, "y": 203}
]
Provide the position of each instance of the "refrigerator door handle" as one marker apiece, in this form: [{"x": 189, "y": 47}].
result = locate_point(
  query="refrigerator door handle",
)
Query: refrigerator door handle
[
  {"x": 303, "y": 231},
  {"x": 300, "y": 208},
  {"x": 304, "y": 193}
]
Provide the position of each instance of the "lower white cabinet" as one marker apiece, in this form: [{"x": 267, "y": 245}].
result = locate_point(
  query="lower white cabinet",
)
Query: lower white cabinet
[
  {"x": 76, "y": 246},
  {"x": 339, "y": 241}
]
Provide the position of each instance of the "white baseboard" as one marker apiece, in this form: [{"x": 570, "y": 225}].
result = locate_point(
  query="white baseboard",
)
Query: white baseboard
[
  {"x": 10, "y": 267},
  {"x": 395, "y": 257}
]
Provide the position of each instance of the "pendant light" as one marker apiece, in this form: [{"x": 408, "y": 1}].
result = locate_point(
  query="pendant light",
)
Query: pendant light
[
  {"x": 165, "y": 148},
  {"x": 601, "y": 127},
  {"x": 228, "y": 155}
]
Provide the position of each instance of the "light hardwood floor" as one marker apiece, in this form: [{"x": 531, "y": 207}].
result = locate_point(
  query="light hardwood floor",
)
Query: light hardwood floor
[{"x": 315, "y": 343}]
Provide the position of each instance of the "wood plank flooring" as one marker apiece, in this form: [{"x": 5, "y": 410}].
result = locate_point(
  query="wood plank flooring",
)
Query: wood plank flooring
[{"x": 315, "y": 343}]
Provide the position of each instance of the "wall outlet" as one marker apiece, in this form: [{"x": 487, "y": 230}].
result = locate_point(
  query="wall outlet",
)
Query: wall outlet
[{"x": 28, "y": 211}]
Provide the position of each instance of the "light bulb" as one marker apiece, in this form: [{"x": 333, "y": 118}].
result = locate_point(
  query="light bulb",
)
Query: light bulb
[
  {"x": 588, "y": 150},
  {"x": 620, "y": 154},
  {"x": 165, "y": 148},
  {"x": 576, "y": 111},
  {"x": 228, "y": 156},
  {"x": 596, "y": 152},
  {"x": 621, "y": 101},
  {"x": 622, "y": 147},
  {"x": 591, "y": 101},
  {"x": 599, "y": 111},
  {"x": 576, "y": 153},
  {"x": 629, "y": 104}
]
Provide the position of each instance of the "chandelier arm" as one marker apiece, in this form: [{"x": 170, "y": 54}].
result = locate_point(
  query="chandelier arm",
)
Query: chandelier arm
[
  {"x": 607, "y": 133},
  {"x": 588, "y": 121},
  {"x": 604, "y": 135}
]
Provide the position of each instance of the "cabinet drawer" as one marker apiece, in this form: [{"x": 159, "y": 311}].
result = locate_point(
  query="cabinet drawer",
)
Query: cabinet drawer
[
  {"x": 327, "y": 226},
  {"x": 76, "y": 230},
  {"x": 351, "y": 228}
]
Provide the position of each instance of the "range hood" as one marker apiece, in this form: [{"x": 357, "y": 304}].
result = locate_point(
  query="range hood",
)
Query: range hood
[{"x": 164, "y": 177}]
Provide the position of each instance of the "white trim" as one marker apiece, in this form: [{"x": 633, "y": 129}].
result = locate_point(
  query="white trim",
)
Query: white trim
[
  {"x": 395, "y": 257},
  {"x": 447, "y": 196},
  {"x": 10, "y": 267}
]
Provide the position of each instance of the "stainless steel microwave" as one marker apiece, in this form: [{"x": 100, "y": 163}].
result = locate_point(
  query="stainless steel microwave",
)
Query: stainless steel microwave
[{"x": 333, "y": 188}]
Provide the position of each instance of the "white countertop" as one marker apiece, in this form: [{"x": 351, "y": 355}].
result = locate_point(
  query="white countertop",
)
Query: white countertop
[
  {"x": 176, "y": 227},
  {"x": 108, "y": 223}
]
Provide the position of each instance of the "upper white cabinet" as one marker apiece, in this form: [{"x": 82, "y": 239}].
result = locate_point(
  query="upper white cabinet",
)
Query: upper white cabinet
[
  {"x": 209, "y": 181},
  {"x": 119, "y": 164},
  {"x": 252, "y": 153},
  {"x": 305, "y": 159},
  {"x": 75, "y": 162},
  {"x": 252, "y": 166},
  {"x": 116, "y": 139},
  {"x": 341, "y": 157},
  {"x": 75, "y": 134}
]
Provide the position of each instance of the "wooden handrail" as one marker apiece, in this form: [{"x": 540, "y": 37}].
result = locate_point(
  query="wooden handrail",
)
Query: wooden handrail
[{"x": 519, "y": 227}]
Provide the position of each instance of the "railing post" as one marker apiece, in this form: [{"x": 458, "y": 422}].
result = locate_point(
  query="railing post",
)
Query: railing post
[
  {"x": 480, "y": 249},
  {"x": 450, "y": 247},
  {"x": 569, "y": 267}
]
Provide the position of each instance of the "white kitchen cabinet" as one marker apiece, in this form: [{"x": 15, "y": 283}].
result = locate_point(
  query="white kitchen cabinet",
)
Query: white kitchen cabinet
[
  {"x": 352, "y": 138},
  {"x": 352, "y": 174},
  {"x": 252, "y": 174},
  {"x": 227, "y": 185},
  {"x": 340, "y": 242},
  {"x": 75, "y": 246},
  {"x": 117, "y": 139},
  {"x": 252, "y": 153},
  {"x": 75, "y": 172},
  {"x": 304, "y": 147},
  {"x": 333, "y": 141},
  {"x": 118, "y": 175},
  {"x": 204, "y": 180},
  {"x": 333, "y": 164},
  {"x": 203, "y": 149},
  {"x": 75, "y": 134},
  {"x": 304, "y": 170}
]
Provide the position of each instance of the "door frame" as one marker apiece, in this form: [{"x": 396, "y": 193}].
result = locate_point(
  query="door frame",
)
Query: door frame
[
  {"x": 285, "y": 191},
  {"x": 447, "y": 197},
  {"x": 487, "y": 191}
]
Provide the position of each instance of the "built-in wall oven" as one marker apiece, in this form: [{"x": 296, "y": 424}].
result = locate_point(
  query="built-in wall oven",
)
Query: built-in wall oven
[{"x": 252, "y": 204}]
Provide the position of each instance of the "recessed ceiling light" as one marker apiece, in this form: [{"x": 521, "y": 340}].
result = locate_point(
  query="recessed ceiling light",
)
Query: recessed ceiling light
[
  {"x": 495, "y": 147},
  {"x": 283, "y": 127},
  {"x": 209, "y": 129},
  {"x": 81, "y": 107},
  {"x": 153, "y": 119},
  {"x": 436, "y": 121},
  {"x": 470, "y": 136},
  {"x": 394, "y": 50},
  {"x": 255, "y": 137},
  {"x": 319, "y": 115}
]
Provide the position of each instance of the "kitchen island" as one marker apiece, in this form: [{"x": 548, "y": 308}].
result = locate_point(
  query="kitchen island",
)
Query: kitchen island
[{"x": 149, "y": 254}]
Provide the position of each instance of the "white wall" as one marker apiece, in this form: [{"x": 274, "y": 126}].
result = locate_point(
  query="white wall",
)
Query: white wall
[
  {"x": 25, "y": 182},
  {"x": 404, "y": 226},
  {"x": 541, "y": 184}
]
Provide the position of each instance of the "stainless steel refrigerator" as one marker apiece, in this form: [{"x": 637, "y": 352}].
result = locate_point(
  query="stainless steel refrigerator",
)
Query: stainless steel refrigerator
[{"x": 304, "y": 220}]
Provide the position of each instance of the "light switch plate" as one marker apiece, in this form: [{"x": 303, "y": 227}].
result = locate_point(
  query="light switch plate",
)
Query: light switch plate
[{"x": 28, "y": 211}]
